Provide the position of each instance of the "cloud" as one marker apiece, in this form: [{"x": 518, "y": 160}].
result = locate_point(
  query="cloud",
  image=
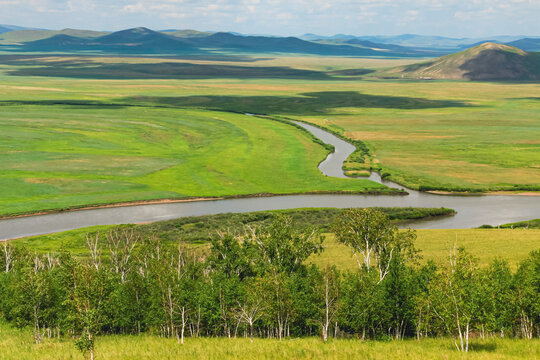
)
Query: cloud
[
  {"x": 133, "y": 8},
  {"x": 284, "y": 17}
]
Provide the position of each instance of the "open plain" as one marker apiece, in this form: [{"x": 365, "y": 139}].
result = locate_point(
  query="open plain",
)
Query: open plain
[{"x": 431, "y": 135}]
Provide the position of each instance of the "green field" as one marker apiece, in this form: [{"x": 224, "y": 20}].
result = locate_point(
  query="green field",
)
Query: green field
[
  {"x": 15, "y": 344},
  {"x": 94, "y": 130},
  {"x": 485, "y": 245},
  {"x": 62, "y": 156}
]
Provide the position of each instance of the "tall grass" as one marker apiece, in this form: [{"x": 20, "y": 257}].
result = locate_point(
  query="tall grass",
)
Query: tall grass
[{"x": 17, "y": 344}]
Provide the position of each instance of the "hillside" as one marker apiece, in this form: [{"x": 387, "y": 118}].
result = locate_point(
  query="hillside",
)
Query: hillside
[
  {"x": 145, "y": 41},
  {"x": 186, "y": 33},
  {"x": 59, "y": 41},
  {"x": 6, "y": 28},
  {"x": 28, "y": 35},
  {"x": 137, "y": 40},
  {"x": 276, "y": 44},
  {"x": 527, "y": 44},
  {"x": 488, "y": 61}
]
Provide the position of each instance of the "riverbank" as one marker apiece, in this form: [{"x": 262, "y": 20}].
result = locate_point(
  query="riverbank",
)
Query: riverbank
[
  {"x": 490, "y": 193},
  {"x": 472, "y": 211},
  {"x": 388, "y": 191}
]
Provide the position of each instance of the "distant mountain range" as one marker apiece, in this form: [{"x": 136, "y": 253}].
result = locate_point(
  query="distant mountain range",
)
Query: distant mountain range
[
  {"x": 26, "y": 35},
  {"x": 420, "y": 41},
  {"x": 527, "y": 44},
  {"x": 8, "y": 28},
  {"x": 187, "y": 33},
  {"x": 172, "y": 41},
  {"x": 145, "y": 41},
  {"x": 488, "y": 61}
]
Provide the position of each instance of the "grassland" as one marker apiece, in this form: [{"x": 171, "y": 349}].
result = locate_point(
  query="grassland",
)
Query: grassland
[
  {"x": 15, "y": 344},
  {"x": 513, "y": 245},
  {"x": 60, "y": 156},
  {"x": 446, "y": 135}
]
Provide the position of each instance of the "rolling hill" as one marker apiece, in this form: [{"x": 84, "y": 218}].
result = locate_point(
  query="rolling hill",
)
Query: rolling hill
[
  {"x": 441, "y": 44},
  {"x": 4, "y": 29},
  {"x": 61, "y": 40},
  {"x": 137, "y": 40},
  {"x": 276, "y": 44},
  {"x": 28, "y": 35},
  {"x": 145, "y": 41},
  {"x": 142, "y": 39},
  {"x": 7, "y": 28},
  {"x": 488, "y": 61},
  {"x": 527, "y": 44},
  {"x": 186, "y": 33}
]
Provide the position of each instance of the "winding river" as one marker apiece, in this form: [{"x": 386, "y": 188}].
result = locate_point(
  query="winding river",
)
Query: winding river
[{"x": 472, "y": 211}]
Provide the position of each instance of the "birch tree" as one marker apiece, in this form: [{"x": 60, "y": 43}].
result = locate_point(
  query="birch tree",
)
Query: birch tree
[
  {"x": 121, "y": 244},
  {"x": 329, "y": 292},
  {"x": 7, "y": 251},
  {"x": 250, "y": 309},
  {"x": 455, "y": 298},
  {"x": 527, "y": 296},
  {"x": 371, "y": 236}
]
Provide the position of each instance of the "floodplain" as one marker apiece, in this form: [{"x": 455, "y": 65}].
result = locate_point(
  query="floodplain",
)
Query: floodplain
[{"x": 431, "y": 135}]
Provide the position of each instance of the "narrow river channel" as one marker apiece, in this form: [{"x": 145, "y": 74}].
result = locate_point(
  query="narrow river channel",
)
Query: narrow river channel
[{"x": 472, "y": 211}]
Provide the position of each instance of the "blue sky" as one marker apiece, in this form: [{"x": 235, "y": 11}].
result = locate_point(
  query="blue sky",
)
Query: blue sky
[{"x": 457, "y": 18}]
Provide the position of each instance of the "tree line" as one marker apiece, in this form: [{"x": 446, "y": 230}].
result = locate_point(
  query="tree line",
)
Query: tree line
[{"x": 260, "y": 284}]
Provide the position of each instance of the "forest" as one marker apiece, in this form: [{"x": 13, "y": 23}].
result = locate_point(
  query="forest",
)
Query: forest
[{"x": 258, "y": 284}]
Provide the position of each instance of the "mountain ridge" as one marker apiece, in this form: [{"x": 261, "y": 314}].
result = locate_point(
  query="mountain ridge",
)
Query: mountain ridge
[{"x": 144, "y": 40}]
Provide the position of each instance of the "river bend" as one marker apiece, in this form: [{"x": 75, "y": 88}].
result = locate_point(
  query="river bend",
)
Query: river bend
[{"x": 472, "y": 211}]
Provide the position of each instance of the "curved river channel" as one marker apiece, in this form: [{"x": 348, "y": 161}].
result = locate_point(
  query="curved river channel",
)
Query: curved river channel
[{"x": 472, "y": 211}]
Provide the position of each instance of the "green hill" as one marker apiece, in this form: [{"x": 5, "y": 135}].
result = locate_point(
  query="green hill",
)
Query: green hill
[
  {"x": 230, "y": 41},
  {"x": 138, "y": 40},
  {"x": 21, "y": 36},
  {"x": 145, "y": 41},
  {"x": 488, "y": 61},
  {"x": 186, "y": 33}
]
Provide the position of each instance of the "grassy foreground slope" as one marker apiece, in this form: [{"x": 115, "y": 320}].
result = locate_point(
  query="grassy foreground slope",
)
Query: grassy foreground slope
[
  {"x": 58, "y": 156},
  {"x": 15, "y": 345}
]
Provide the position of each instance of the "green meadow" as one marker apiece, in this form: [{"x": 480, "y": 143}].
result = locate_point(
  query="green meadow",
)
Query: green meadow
[
  {"x": 88, "y": 130},
  {"x": 61, "y": 156},
  {"x": 15, "y": 345}
]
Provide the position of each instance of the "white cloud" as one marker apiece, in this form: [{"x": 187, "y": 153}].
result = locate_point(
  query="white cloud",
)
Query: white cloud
[
  {"x": 446, "y": 17},
  {"x": 133, "y": 8},
  {"x": 284, "y": 16}
]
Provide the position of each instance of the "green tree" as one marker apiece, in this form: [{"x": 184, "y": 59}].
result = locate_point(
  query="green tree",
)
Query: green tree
[
  {"x": 527, "y": 295},
  {"x": 89, "y": 292},
  {"x": 497, "y": 304},
  {"x": 369, "y": 232},
  {"x": 454, "y": 297}
]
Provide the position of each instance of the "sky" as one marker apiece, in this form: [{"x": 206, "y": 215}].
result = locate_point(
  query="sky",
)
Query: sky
[{"x": 454, "y": 18}]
